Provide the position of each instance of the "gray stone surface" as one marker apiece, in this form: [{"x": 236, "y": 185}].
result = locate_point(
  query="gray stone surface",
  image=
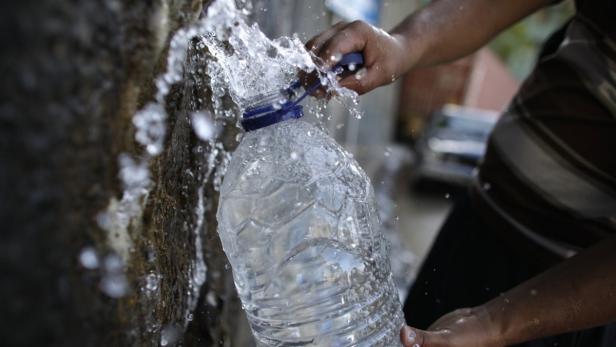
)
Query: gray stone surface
[{"x": 73, "y": 73}]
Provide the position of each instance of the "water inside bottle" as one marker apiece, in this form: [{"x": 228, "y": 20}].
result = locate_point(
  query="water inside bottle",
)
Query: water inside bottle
[{"x": 298, "y": 222}]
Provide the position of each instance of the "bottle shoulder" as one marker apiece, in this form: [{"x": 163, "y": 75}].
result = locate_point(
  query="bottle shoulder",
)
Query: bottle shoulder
[
  {"x": 298, "y": 152},
  {"x": 287, "y": 142}
]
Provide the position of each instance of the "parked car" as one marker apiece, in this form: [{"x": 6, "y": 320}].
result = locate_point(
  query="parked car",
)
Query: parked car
[{"x": 452, "y": 144}]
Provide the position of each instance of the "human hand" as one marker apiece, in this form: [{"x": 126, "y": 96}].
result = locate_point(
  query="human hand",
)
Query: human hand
[
  {"x": 385, "y": 55},
  {"x": 461, "y": 328}
]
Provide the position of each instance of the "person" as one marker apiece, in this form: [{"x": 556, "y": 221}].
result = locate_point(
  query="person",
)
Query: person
[{"x": 528, "y": 256}]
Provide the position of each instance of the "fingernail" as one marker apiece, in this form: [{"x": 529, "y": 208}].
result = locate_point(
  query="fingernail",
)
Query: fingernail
[
  {"x": 361, "y": 73},
  {"x": 411, "y": 335}
]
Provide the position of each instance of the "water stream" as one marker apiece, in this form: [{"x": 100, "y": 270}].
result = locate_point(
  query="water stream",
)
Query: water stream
[{"x": 239, "y": 62}]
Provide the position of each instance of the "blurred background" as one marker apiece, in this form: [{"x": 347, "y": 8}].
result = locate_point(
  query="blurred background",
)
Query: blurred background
[
  {"x": 75, "y": 73},
  {"x": 421, "y": 137}
]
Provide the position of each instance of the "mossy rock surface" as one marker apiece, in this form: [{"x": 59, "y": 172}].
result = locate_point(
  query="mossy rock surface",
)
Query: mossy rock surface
[{"x": 74, "y": 72}]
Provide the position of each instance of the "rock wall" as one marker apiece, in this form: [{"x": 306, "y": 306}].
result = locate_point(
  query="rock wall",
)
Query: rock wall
[{"x": 74, "y": 72}]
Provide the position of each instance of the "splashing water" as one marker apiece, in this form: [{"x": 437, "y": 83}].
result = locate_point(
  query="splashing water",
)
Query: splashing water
[
  {"x": 240, "y": 64},
  {"x": 244, "y": 63},
  {"x": 198, "y": 270},
  {"x": 88, "y": 258},
  {"x": 114, "y": 283},
  {"x": 150, "y": 126},
  {"x": 203, "y": 126}
]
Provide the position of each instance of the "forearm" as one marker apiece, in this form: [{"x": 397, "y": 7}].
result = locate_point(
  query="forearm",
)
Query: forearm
[
  {"x": 577, "y": 294},
  {"x": 446, "y": 30}
]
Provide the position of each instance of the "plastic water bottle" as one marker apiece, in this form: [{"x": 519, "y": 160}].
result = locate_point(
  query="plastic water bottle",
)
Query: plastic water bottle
[{"x": 298, "y": 222}]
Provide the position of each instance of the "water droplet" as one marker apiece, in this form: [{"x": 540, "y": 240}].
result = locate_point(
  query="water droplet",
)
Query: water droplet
[
  {"x": 211, "y": 299},
  {"x": 114, "y": 285},
  {"x": 294, "y": 156},
  {"x": 361, "y": 73},
  {"x": 134, "y": 174},
  {"x": 152, "y": 281},
  {"x": 203, "y": 126},
  {"x": 150, "y": 125},
  {"x": 169, "y": 335},
  {"x": 88, "y": 258},
  {"x": 113, "y": 263},
  {"x": 335, "y": 57}
]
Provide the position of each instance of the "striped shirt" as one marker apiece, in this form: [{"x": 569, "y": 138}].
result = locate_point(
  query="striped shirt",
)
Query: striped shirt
[{"x": 550, "y": 167}]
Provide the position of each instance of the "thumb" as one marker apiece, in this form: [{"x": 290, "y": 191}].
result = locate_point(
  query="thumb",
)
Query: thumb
[{"x": 411, "y": 337}]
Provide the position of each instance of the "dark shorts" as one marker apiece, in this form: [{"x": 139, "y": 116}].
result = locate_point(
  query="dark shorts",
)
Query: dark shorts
[{"x": 468, "y": 265}]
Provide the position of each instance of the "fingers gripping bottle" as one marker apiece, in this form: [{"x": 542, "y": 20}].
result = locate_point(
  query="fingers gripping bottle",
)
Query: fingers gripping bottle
[{"x": 298, "y": 222}]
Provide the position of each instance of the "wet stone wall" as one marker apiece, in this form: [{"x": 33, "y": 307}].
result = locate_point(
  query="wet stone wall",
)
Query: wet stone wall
[{"x": 73, "y": 74}]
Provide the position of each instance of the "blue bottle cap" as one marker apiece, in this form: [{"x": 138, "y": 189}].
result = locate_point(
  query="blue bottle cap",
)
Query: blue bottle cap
[{"x": 265, "y": 116}]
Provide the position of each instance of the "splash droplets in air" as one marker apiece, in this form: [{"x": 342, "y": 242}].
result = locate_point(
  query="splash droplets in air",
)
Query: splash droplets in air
[
  {"x": 150, "y": 128},
  {"x": 239, "y": 63},
  {"x": 246, "y": 64},
  {"x": 203, "y": 126}
]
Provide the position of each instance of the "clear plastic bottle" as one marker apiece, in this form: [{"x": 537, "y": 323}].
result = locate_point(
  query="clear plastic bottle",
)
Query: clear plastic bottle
[{"x": 298, "y": 222}]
